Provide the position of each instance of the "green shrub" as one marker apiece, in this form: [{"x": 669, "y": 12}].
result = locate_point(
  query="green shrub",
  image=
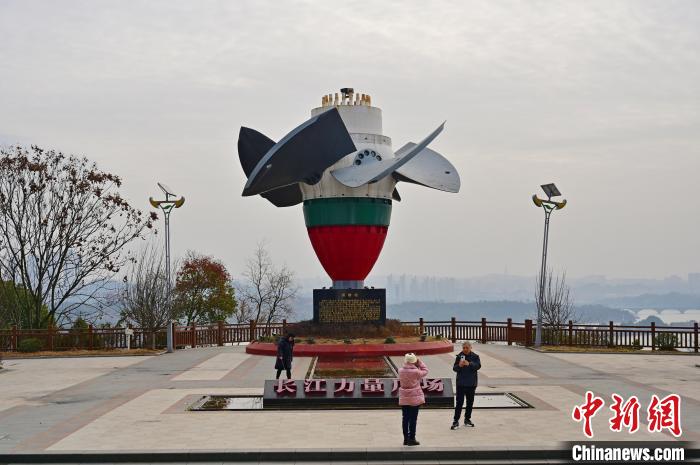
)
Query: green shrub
[
  {"x": 267, "y": 339},
  {"x": 666, "y": 341},
  {"x": 390, "y": 340},
  {"x": 423, "y": 337},
  {"x": 438, "y": 337},
  {"x": 310, "y": 340},
  {"x": 30, "y": 344},
  {"x": 347, "y": 341},
  {"x": 80, "y": 325},
  {"x": 636, "y": 345}
]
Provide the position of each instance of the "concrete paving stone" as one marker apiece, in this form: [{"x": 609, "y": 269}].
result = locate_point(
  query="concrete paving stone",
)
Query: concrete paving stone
[{"x": 140, "y": 406}]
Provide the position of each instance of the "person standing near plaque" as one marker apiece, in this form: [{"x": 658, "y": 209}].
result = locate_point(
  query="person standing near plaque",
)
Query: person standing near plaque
[
  {"x": 285, "y": 355},
  {"x": 466, "y": 365},
  {"x": 411, "y": 396}
]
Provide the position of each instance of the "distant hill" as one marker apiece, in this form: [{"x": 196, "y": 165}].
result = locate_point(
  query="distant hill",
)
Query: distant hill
[
  {"x": 659, "y": 322},
  {"x": 675, "y": 300},
  {"x": 465, "y": 311},
  {"x": 497, "y": 311}
]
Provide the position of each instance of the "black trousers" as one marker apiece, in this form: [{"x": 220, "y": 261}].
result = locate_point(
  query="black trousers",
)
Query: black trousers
[
  {"x": 279, "y": 372},
  {"x": 462, "y": 392},
  {"x": 409, "y": 418}
]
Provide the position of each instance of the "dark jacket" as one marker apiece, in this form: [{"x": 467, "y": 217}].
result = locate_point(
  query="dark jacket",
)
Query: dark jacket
[
  {"x": 285, "y": 354},
  {"x": 467, "y": 376}
]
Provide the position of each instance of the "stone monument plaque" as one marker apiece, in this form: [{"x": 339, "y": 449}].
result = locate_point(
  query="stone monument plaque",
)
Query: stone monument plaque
[{"x": 338, "y": 306}]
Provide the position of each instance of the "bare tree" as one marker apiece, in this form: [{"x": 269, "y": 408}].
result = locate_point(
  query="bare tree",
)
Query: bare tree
[
  {"x": 64, "y": 229},
  {"x": 244, "y": 312},
  {"x": 144, "y": 297},
  {"x": 283, "y": 290},
  {"x": 555, "y": 304},
  {"x": 267, "y": 293},
  {"x": 255, "y": 290}
]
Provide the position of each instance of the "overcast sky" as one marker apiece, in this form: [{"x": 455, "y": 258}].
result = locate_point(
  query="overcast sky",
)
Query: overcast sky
[{"x": 601, "y": 97}]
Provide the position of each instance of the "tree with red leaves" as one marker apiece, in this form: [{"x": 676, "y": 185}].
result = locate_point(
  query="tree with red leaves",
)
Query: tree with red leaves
[{"x": 203, "y": 290}]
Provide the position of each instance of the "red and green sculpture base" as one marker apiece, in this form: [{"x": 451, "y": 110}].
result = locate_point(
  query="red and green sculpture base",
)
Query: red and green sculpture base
[{"x": 347, "y": 234}]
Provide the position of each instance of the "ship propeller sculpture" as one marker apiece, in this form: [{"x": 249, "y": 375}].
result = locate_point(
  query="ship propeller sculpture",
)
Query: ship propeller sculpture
[{"x": 343, "y": 169}]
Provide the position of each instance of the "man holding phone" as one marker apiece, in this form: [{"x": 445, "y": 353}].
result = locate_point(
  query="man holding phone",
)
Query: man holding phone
[{"x": 466, "y": 365}]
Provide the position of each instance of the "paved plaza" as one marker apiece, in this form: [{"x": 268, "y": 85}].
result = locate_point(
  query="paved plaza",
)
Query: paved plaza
[{"x": 139, "y": 403}]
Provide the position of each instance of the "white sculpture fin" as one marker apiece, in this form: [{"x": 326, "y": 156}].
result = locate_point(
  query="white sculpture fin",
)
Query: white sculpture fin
[
  {"x": 359, "y": 175},
  {"x": 429, "y": 169}
]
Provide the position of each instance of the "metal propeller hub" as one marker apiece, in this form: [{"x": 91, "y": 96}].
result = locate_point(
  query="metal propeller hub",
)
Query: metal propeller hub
[{"x": 366, "y": 156}]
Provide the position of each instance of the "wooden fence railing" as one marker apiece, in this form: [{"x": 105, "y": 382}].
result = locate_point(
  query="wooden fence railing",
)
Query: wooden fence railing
[
  {"x": 482, "y": 331},
  {"x": 220, "y": 334},
  {"x": 610, "y": 335},
  {"x": 572, "y": 334},
  {"x": 54, "y": 339}
]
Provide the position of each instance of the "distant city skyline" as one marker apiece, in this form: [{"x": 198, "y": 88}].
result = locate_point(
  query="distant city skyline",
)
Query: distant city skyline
[{"x": 586, "y": 290}]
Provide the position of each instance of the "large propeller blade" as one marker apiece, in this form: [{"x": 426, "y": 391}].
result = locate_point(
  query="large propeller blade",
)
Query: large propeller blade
[
  {"x": 252, "y": 146},
  {"x": 302, "y": 155},
  {"x": 429, "y": 169},
  {"x": 359, "y": 175}
]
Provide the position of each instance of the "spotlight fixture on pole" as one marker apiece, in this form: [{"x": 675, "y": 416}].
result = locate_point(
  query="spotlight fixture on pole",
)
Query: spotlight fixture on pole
[
  {"x": 167, "y": 206},
  {"x": 549, "y": 206}
]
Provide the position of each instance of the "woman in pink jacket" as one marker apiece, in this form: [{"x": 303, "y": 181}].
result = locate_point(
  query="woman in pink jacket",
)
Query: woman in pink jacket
[{"x": 411, "y": 396}]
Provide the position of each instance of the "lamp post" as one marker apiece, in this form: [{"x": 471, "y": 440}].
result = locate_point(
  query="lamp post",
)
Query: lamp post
[
  {"x": 167, "y": 206},
  {"x": 549, "y": 206}
]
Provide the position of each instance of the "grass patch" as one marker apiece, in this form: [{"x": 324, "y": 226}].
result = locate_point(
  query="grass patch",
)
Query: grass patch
[
  {"x": 587, "y": 349},
  {"x": 79, "y": 353}
]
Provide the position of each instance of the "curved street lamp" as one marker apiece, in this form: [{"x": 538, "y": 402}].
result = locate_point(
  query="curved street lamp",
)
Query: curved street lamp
[
  {"x": 167, "y": 206},
  {"x": 549, "y": 206}
]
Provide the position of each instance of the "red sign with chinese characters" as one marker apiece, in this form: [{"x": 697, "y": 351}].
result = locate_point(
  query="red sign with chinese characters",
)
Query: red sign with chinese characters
[{"x": 351, "y": 393}]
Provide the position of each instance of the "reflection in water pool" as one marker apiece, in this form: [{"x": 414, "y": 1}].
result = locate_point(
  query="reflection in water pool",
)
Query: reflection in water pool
[{"x": 229, "y": 403}]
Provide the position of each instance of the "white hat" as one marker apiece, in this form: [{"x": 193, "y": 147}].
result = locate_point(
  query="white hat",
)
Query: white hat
[{"x": 410, "y": 358}]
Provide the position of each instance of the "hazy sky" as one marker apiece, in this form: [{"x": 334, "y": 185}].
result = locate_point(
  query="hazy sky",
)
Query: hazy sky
[{"x": 601, "y": 97}]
